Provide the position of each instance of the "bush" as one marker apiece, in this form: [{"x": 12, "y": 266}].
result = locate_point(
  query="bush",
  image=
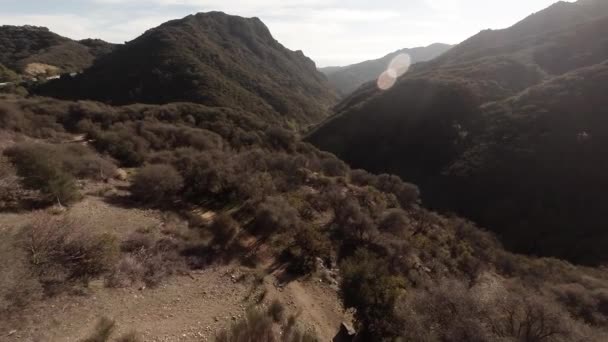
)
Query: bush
[
  {"x": 334, "y": 167},
  {"x": 276, "y": 215},
  {"x": 369, "y": 287},
  {"x": 224, "y": 229},
  {"x": 395, "y": 221},
  {"x": 40, "y": 169},
  {"x": 59, "y": 251},
  {"x": 276, "y": 310},
  {"x": 156, "y": 184},
  {"x": 258, "y": 326},
  {"x": 149, "y": 258},
  {"x": 82, "y": 162},
  {"x": 102, "y": 332},
  {"x": 309, "y": 245}
]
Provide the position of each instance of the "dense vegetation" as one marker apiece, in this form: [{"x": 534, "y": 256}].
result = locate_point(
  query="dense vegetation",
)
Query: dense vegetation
[
  {"x": 348, "y": 78},
  {"x": 407, "y": 271},
  {"x": 23, "y": 45},
  {"x": 213, "y": 59},
  {"x": 506, "y": 128}
]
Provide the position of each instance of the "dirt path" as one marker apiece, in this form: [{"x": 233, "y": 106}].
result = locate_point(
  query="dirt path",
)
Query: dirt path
[{"x": 184, "y": 309}]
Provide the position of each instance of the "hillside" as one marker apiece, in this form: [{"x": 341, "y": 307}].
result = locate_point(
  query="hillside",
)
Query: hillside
[
  {"x": 348, "y": 78},
  {"x": 435, "y": 116},
  {"x": 22, "y": 46},
  {"x": 171, "y": 208},
  {"x": 213, "y": 59}
]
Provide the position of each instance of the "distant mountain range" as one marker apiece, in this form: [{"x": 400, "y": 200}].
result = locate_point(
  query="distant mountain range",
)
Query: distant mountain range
[
  {"x": 36, "y": 50},
  {"x": 507, "y": 128},
  {"x": 348, "y": 78},
  {"x": 209, "y": 58}
]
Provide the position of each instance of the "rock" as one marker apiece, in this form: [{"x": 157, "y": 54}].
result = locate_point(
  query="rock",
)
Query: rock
[
  {"x": 12, "y": 332},
  {"x": 346, "y": 333},
  {"x": 121, "y": 175}
]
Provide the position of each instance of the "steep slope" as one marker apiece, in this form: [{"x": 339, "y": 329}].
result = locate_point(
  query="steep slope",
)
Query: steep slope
[
  {"x": 209, "y": 58},
  {"x": 436, "y": 117},
  {"x": 21, "y": 46},
  {"x": 347, "y": 79},
  {"x": 537, "y": 173}
]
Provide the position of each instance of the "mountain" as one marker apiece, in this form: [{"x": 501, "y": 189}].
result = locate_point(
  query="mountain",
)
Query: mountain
[
  {"x": 31, "y": 50},
  {"x": 347, "y": 79},
  {"x": 213, "y": 59},
  {"x": 505, "y": 128}
]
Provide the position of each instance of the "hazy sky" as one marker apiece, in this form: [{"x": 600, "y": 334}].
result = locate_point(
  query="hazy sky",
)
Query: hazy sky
[{"x": 332, "y": 32}]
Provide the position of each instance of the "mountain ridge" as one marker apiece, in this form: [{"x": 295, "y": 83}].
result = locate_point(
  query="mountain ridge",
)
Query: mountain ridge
[
  {"x": 347, "y": 79},
  {"x": 208, "y": 58}
]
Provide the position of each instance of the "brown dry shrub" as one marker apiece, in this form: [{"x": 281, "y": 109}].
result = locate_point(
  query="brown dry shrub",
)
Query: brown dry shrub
[{"x": 59, "y": 251}]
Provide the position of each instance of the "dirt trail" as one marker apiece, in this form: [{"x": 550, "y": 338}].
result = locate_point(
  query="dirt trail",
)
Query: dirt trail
[{"x": 184, "y": 309}]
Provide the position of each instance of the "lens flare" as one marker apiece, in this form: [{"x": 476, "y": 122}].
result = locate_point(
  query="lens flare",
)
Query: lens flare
[
  {"x": 386, "y": 80},
  {"x": 398, "y": 66}
]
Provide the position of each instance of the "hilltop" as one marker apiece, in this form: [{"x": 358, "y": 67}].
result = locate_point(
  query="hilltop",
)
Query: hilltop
[
  {"x": 213, "y": 59},
  {"x": 36, "y": 50}
]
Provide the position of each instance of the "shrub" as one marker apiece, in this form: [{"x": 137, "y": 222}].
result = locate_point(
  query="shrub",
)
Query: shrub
[
  {"x": 276, "y": 215},
  {"x": 334, "y": 167},
  {"x": 406, "y": 193},
  {"x": 129, "y": 337},
  {"x": 224, "y": 229},
  {"x": 82, "y": 162},
  {"x": 276, "y": 310},
  {"x": 156, "y": 184},
  {"x": 40, "y": 169},
  {"x": 353, "y": 222},
  {"x": 102, "y": 332},
  {"x": 279, "y": 138},
  {"x": 309, "y": 245},
  {"x": 59, "y": 251},
  {"x": 149, "y": 258},
  {"x": 258, "y": 326},
  {"x": 369, "y": 287},
  {"x": 395, "y": 221}
]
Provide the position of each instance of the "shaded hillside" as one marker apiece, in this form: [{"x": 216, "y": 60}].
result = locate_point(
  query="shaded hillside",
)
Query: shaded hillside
[
  {"x": 347, "y": 79},
  {"x": 438, "y": 117},
  {"x": 23, "y": 45},
  {"x": 213, "y": 59},
  {"x": 537, "y": 174}
]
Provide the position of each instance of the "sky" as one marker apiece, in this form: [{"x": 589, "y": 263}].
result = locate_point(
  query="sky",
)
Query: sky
[{"x": 331, "y": 32}]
